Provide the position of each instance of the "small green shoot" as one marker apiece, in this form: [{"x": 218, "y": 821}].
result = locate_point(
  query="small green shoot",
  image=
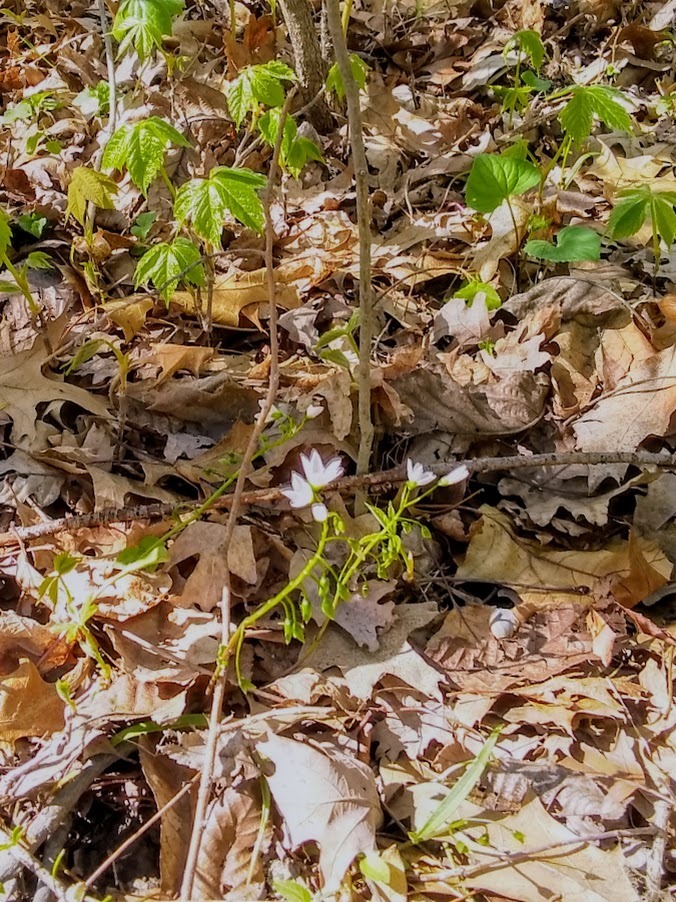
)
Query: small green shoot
[
  {"x": 263, "y": 84},
  {"x": 296, "y": 150},
  {"x": 640, "y": 204},
  {"x": 143, "y": 24},
  {"x": 473, "y": 287},
  {"x": 143, "y": 225},
  {"x": 334, "y": 80},
  {"x": 590, "y": 102},
  {"x": 32, "y": 223},
  {"x": 292, "y": 891},
  {"x": 438, "y": 822}
]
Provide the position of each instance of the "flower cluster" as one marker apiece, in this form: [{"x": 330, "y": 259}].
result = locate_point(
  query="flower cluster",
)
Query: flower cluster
[
  {"x": 304, "y": 489},
  {"x": 418, "y": 476}
]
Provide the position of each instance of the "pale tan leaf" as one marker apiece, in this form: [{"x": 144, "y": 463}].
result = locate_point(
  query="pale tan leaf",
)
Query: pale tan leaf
[{"x": 338, "y": 808}]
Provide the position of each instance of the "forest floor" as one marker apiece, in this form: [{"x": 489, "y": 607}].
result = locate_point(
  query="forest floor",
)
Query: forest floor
[{"x": 448, "y": 674}]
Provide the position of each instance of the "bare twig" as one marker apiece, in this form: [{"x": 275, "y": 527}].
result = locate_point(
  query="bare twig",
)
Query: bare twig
[
  {"x": 655, "y": 864},
  {"x": 130, "y": 840},
  {"x": 27, "y": 860},
  {"x": 347, "y": 486},
  {"x": 508, "y": 859},
  {"x": 364, "y": 226},
  {"x": 206, "y": 781}
]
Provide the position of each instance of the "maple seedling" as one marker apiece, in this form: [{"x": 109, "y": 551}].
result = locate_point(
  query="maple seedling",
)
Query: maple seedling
[
  {"x": 169, "y": 263},
  {"x": 143, "y": 24},
  {"x": 206, "y": 202},
  {"x": 140, "y": 149}
]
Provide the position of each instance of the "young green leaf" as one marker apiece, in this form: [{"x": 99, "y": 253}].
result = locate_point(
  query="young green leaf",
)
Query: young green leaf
[
  {"x": 636, "y": 205},
  {"x": 334, "y": 80},
  {"x": 261, "y": 84},
  {"x": 374, "y": 867},
  {"x": 143, "y": 224},
  {"x": 206, "y": 202},
  {"x": 529, "y": 43},
  {"x": 167, "y": 264},
  {"x": 296, "y": 149},
  {"x": 445, "y": 812},
  {"x": 140, "y": 148},
  {"x": 32, "y": 223},
  {"x": 39, "y": 260},
  {"x": 588, "y": 102},
  {"x": 144, "y": 24},
  {"x": 470, "y": 290},
  {"x": 574, "y": 244},
  {"x": 87, "y": 185},
  {"x": 146, "y": 555},
  {"x": 493, "y": 179},
  {"x": 292, "y": 891}
]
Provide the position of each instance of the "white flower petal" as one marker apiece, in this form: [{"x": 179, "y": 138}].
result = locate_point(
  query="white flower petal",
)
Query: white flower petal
[
  {"x": 301, "y": 492},
  {"x": 314, "y": 410},
  {"x": 319, "y": 512},
  {"x": 417, "y": 474},
  {"x": 459, "y": 474},
  {"x": 317, "y": 473}
]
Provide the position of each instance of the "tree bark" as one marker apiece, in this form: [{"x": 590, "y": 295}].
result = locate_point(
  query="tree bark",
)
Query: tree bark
[{"x": 310, "y": 65}]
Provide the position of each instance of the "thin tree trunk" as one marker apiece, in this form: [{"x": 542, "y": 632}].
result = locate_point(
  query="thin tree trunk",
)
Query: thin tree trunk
[{"x": 310, "y": 65}]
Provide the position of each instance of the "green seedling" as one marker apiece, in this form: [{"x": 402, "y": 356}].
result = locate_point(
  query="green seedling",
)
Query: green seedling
[
  {"x": 94, "y": 100},
  {"x": 296, "y": 150},
  {"x": 470, "y": 289},
  {"x": 169, "y": 263},
  {"x": 140, "y": 149},
  {"x": 19, "y": 274},
  {"x": 635, "y": 207},
  {"x": 143, "y": 225},
  {"x": 29, "y": 110},
  {"x": 206, "y": 203},
  {"x": 574, "y": 244},
  {"x": 32, "y": 223},
  {"x": 439, "y": 821},
  {"x": 143, "y": 24},
  {"x": 528, "y": 47},
  {"x": 256, "y": 86}
]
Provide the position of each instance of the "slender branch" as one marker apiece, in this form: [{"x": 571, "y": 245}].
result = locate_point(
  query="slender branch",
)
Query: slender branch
[
  {"x": 346, "y": 486},
  {"x": 206, "y": 781},
  {"x": 508, "y": 859},
  {"x": 364, "y": 226},
  {"x": 27, "y": 860}
]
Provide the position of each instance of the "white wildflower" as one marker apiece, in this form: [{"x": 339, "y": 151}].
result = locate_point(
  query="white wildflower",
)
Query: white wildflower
[
  {"x": 458, "y": 474},
  {"x": 318, "y": 473},
  {"x": 301, "y": 492},
  {"x": 319, "y": 512},
  {"x": 418, "y": 475}
]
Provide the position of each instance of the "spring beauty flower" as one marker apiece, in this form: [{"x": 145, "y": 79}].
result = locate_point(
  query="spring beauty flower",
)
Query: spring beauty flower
[
  {"x": 418, "y": 476},
  {"x": 304, "y": 489},
  {"x": 454, "y": 476}
]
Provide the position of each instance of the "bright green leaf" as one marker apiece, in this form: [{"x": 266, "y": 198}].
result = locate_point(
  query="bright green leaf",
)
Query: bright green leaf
[
  {"x": 5, "y": 233},
  {"x": 261, "y": 84},
  {"x": 574, "y": 244},
  {"x": 292, "y": 891},
  {"x": 32, "y": 223},
  {"x": 530, "y": 43},
  {"x": 493, "y": 179},
  {"x": 629, "y": 214},
  {"x": 88, "y": 186},
  {"x": 663, "y": 216},
  {"x": 140, "y": 148},
  {"x": 144, "y": 24},
  {"x": 84, "y": 353},
  {"x": 375, "y": 868},
  {"x": 147, "y": 554},
  {"x": 39, "y": 260},
  {"x": 469, "y": 291},
  {"x": 167, "y": 264},
  {"x": 589, "y": 102},
  {"x": 206, "y": 202},
  {"x": 296, "y": 150}
]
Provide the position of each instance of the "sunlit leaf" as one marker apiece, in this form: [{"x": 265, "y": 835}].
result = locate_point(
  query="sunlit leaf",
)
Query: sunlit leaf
[
  {"x": 261, "y": 84},
  {"x": 88, "y": 186},
  {"x": 169, "y": 263},
  {"x": 493, "y": 179},
  {"x": 334, "y": 80},
  {"x": 589, "y": 102},
  {"x": 144, "y": 24},
  {"x": 140, "y": 148},
  {"x": 207, "y": 202},
  {"x": 574, "y": 244}
]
